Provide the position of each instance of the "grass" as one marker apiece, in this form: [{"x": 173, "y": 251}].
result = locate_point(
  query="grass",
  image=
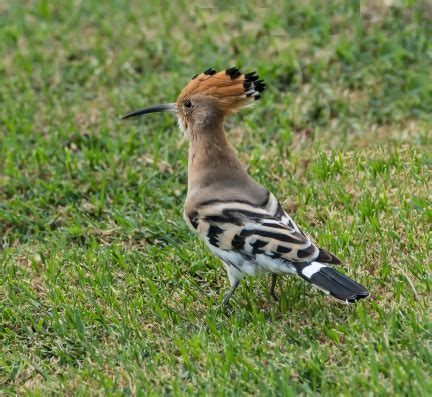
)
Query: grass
[{"x": 103, "y": 290}]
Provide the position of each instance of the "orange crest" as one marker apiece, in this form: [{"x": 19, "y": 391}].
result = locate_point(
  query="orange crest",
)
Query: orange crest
[{"x": 232, "y": 88}]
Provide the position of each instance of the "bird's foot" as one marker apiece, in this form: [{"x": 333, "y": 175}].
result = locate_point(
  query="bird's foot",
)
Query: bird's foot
[
  {"x": 226, "y": 299},
  {"x": 272, "y": 288},
  {"x": 274, "y": 296}
]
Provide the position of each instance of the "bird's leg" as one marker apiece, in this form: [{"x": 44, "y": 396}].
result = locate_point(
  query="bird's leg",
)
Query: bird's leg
[
  {"x": 234, "y": 278},
  {"x": 230, "y": 292},
  {"x": 272, "y": 287}
]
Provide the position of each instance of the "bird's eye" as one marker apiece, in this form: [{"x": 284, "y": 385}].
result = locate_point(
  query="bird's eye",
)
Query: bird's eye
[{"x": 188, "y": 104}]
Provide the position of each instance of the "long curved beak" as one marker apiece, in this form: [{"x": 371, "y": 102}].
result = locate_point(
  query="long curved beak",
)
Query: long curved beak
[{"x": 164, "y": 107}]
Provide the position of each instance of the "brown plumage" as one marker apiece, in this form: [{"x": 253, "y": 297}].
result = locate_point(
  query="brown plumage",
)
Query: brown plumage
[
  {"x": 231, "y": 88},
  {"x": 240, "y": 221}
]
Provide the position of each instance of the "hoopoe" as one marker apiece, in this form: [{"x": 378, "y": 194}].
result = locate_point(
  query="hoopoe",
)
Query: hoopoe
[{"x": 241, "y": 222}]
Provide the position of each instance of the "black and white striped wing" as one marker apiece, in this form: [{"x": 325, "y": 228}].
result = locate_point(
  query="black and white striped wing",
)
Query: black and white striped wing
[{"x": 265, "y": 234}]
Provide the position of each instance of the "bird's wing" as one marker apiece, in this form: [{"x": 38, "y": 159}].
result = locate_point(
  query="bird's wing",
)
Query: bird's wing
[{"x": 251, "y": 230}]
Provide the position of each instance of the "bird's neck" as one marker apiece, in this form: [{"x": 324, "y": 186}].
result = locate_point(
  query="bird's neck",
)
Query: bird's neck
[{"x": 212, "y": 160}]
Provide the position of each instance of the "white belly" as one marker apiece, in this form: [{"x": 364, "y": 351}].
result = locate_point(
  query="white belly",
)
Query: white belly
[
  {"x": 253, "y": 267},
  {"x": 247, "y": 267}
]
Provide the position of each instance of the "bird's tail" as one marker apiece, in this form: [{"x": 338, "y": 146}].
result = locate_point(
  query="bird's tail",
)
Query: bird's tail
[{"x": 332, "y": 282}]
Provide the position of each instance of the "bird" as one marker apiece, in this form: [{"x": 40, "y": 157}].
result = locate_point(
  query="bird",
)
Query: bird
[{"x": 242, "y": 222}]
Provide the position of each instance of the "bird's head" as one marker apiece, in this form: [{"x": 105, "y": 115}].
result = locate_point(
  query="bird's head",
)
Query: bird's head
[{"x": 209, "y": 97}]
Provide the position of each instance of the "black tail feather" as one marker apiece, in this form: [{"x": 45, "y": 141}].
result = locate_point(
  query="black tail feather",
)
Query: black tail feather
[{"x": 336, "y": 284}]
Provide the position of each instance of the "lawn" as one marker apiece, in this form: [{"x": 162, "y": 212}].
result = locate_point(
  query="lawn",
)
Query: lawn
[{"x": 103, "y": 289}]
